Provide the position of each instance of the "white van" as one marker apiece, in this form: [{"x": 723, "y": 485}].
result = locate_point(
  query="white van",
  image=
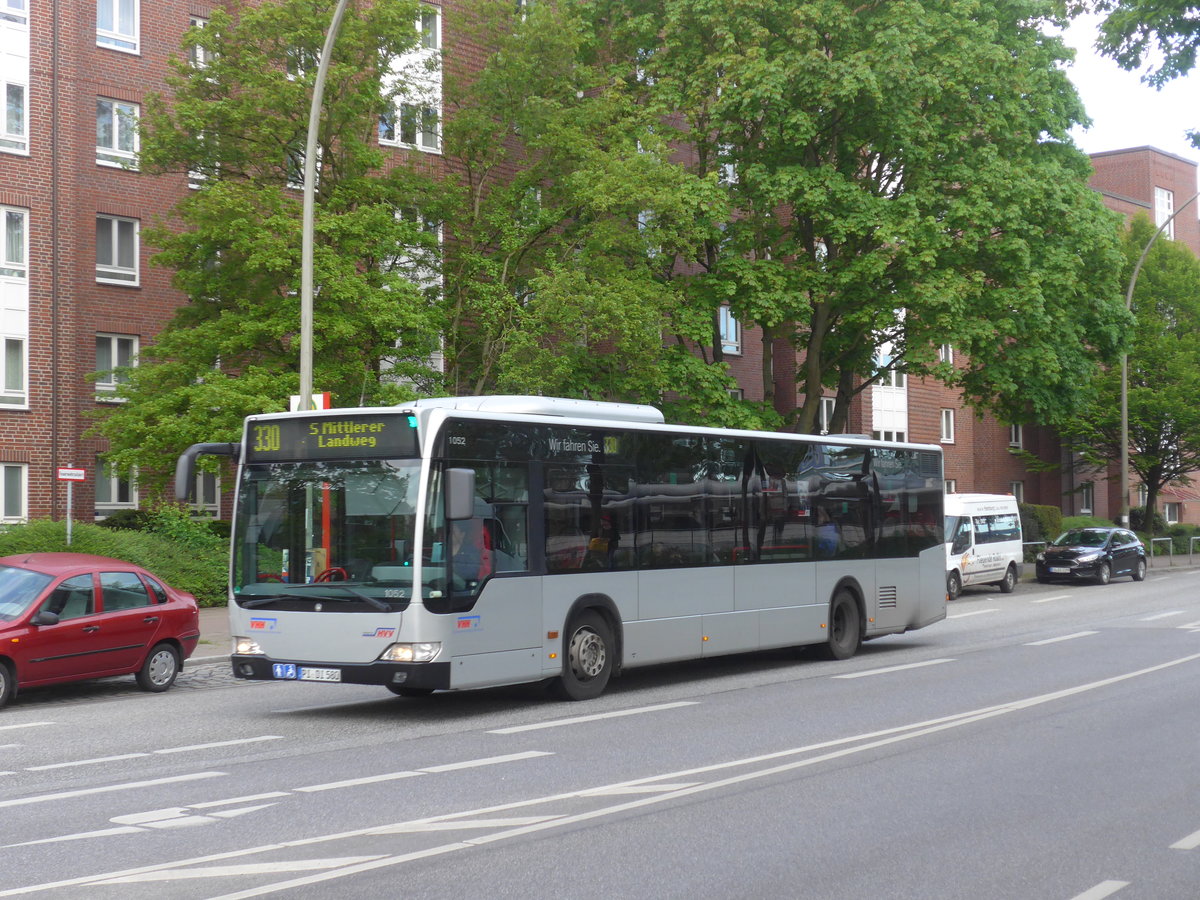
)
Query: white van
[{"x": 983, "y": 541}]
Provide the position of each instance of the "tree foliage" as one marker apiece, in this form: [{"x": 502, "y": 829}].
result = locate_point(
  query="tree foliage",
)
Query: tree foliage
[
  {"x": 882, "y": 157},
  {"x": 1161, "y": 34},
  {"x": 1163, "y": 372}
]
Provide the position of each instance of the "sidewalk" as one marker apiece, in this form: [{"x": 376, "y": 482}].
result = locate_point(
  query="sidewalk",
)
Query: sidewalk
[{"x": 214, "y": 643}]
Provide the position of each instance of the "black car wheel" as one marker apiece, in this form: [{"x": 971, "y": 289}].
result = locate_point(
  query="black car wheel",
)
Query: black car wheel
[
  {"x": 1139, "y": 570},
  {"x": 1104, "y": 573}
]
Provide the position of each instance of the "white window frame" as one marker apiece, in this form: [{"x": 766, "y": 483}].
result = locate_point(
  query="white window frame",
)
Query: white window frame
[
  {"x": 113, "y": 485},
  {"x": 951, "y": 485},
  {"x": 429, "y": 27},
  {"x": 107, "y": 380},
  {"x": 1143, "y": 494},
  {"x": 197, "y": 55},
  {"x": 1016, "y": 436},
  {"x": 124, "y": 35},
  {"x": 1164, "y": 208},
  {"x": 14, "y": 77},
  {"x": 112, "y": 272},
  {"x": 122, "y": 123},
  {"x": 1172, "y": 513},
  {"x": 947, "y": 418},
  {"x": 1087, "y": 498},
  {"x": 206, "y": 482},
  {"x": 1017, "y": 489},
  {"x": 946, "y": 353},
  {"x": 890, "y": 436},
  {"x": 825, "y": 413},
  {"x": 15, "y": 11},
  {"x": 414, "y": 121},
  {"x": 14, "y": 308},
  {"x": 731, "y": 331},
  {"x": 14, "y": 476}
]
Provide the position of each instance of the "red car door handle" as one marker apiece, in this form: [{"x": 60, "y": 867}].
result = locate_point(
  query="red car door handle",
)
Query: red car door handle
[
  {"x": 150, "y": 619},
  {"x": 90, "y": 628}
]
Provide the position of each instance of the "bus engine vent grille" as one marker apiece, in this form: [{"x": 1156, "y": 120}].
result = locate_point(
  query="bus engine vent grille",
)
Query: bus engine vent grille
[{"x": 887, "y": 597}]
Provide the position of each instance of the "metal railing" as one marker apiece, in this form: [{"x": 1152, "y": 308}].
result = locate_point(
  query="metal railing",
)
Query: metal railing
[
  {"x": 1170, "y": 549},
  {"x": 1192, "y": 548}
]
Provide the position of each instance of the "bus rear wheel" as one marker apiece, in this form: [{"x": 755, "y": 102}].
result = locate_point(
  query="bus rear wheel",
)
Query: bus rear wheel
[
  {"x": 845, "y": 627},
  {"x": 588, "y": 652}
]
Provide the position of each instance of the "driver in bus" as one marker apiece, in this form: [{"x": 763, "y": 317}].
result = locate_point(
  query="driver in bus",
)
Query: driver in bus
[{"x": 470, "y": 552}]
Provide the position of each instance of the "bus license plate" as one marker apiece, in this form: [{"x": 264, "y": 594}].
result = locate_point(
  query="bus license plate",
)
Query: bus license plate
[{"x": 320, "y": 674}]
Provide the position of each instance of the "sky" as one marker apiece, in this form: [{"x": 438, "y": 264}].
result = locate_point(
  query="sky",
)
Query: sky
[{"x": 1124, "y": 110}]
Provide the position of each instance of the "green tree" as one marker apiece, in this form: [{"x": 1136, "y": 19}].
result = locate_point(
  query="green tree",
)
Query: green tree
[
  {"x": 1164, "y": 372},
  {"x": 237, "y": 125},
  {"x": 901, "y": 177},
  {"x": 1162, "y": 33}
]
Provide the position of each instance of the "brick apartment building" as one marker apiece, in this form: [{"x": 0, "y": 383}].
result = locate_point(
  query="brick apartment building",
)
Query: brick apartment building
[{"x": 77, "y": 296}]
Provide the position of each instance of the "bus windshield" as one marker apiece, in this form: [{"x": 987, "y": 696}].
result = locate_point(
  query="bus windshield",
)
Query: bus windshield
[{"x": 333, "y": 530}]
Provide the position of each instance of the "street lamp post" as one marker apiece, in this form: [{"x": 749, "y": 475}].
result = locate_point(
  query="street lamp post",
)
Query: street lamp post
[
  {"x": 1125, "y": 363},
  {"x": 310, "y": 178}
]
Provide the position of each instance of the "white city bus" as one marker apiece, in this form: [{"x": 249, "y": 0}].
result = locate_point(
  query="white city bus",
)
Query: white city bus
[{"x": 480, "y": 541}]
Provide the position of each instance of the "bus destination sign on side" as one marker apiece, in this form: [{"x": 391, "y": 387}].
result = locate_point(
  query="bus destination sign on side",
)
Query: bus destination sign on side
[{"x": 331, "y": 437}]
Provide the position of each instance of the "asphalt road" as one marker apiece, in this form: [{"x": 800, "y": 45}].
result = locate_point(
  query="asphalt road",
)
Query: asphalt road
[{"x": 1041, "y": 744}]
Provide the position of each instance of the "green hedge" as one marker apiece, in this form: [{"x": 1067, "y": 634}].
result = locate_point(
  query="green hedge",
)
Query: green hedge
[
  {"x": 1040, "y": 523},
  {"x": 186, "y": 555}
]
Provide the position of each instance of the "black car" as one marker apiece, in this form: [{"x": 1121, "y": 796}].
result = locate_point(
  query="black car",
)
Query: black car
[{"x": 1095, "y": 554}]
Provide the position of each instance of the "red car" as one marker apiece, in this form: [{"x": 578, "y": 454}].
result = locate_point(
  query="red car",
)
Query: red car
[{"x": 71, "y": 616}]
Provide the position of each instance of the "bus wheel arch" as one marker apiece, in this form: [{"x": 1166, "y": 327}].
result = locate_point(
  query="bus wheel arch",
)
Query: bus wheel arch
[{"x": 591, "y": 645}]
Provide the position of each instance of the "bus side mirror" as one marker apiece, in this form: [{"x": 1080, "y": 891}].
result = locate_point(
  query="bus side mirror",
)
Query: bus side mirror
[{"x": 460, "y": 494}]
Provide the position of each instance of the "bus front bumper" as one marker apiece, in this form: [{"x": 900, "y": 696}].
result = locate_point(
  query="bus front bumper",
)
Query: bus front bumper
[{"x": 421, "y": 676}]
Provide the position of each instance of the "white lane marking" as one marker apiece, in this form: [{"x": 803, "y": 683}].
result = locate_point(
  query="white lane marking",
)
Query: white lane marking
[
  {"x": 1190, "y": 626},
  {"x": 974, "y": 612},
  {"x": 355, "y": 782},
  {"x": 576, "y": 720},
  {"x": 252, "y": 740},
  {"x": 425, "y": 827},
  {"x": 619, "y": 789},
  {"x": 24, "y": 725},
  {"x": 1049, "y": 599},
  {"x": 916, "y": 665},
  {"x": 300, "y": 865},
  {"x": 899, "y": 733},
  {"x": 1164, "y": 615},
  {"x": 489, "y": 761},
  {"x": 9, "y": 746},
  {"x": 1191, "y": 842},
  {"x": 1065, "y": 637},
  {"x": 1102, "y": 890},
  {"x": 84, "y": 762},
  {"x": 250, "y": 799},
  {"x": 107, "y": 789}
]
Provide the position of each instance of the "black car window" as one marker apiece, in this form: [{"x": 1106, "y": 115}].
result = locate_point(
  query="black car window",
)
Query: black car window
[
  {"x": 72, "y": 599},
  {"x": 123, "y": 590}
]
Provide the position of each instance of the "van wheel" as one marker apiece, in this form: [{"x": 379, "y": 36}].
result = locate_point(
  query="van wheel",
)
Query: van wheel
[
  {"x": 845, "y": 627},
  {"x": 1009, "y": 581},
  {"x": 953, "y": 585},
  {"x": 588, "y": 651}
]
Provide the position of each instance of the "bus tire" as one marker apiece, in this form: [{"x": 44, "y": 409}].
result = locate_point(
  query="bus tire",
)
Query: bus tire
[
  {"x": 845, "y": 627},
  {"x": 953, "y": 584},
  {"x": 1009, "y": 581},
  {"x": 588, "y": 656}
]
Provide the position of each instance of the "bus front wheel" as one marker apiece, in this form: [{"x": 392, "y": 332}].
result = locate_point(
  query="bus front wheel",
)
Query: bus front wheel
[
  {"x": 588, "y": 651},
  {"x": 845, "y": 627}
]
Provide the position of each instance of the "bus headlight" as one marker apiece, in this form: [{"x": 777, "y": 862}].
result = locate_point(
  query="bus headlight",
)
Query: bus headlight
[
  {"x": 418, "y": 653},
  {"x": 244, "y": 646}
]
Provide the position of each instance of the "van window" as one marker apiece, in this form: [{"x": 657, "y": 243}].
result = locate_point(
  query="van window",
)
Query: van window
[{"x": 994, "y": 529}]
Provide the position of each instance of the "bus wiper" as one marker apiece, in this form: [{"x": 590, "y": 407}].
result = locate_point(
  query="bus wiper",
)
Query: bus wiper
[{"x": 268, "y": 599}]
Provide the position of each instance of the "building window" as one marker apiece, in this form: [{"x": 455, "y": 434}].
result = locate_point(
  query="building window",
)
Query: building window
[
  {"x": 116, "y": 250},
  {"x": 946, "y": 353},
  {"x": 116, "y": 133},
  {"x": 947, "y": 426},
  {"x": 1087, "y": 498},
  {"x": 431, "y": 28},
  {"x": 12, "y": 134},
  {"x": 1164, "y": 208},
  {"x": 411, "y": 126},
  {"x": 113, "y": 492},
  {"x": 14, "y": 11},
  {"x": 737, "y": 394},
  {"x": 208, "y": 494},
  {"x": 198, "y": 56},
  {"x": 892, "y": 378},
  {"x": 1143, "y": 494},
  {"x": 14, "y": 76},
  {"x": 1017, "y": 489},
  {"x": 1172, "y": 513},
  {"x": 731, "y": 331},
  {"x": 13, "y": 480},
  {"x": 825, "y": 413},
  {"x": 1016, "y": 436},
  {"x": 114, "y": 353},
  {"x": 117, "y": 24},
  {"x": 951, "y": 486},
  {"x": 14, "y": 306},
  {"x": 898, "y": 437}
]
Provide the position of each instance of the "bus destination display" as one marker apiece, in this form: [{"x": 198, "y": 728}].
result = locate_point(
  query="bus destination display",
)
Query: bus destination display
[{"x": 331, "y": 437}]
